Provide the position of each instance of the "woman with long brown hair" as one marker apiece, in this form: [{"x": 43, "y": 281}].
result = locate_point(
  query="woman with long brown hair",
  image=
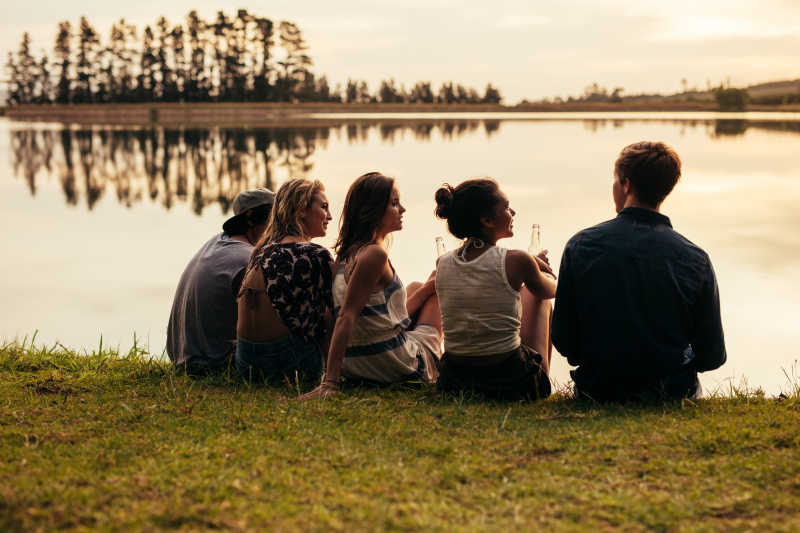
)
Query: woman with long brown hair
[
  {"x": 285, "y": 300},
  {"x": 373, "y": 338}
]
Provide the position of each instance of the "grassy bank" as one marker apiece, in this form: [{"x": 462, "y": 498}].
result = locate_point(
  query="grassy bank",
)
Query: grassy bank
[
  {"x": 108, "y": 441},
  {"x": 253, "y": 114}
]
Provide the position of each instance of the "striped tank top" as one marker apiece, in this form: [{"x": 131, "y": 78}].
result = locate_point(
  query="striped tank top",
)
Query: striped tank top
[{"x": 380, "y": 348}]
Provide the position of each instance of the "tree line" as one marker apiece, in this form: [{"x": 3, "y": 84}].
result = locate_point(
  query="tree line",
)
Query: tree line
[{"x": 239, "y": 58}]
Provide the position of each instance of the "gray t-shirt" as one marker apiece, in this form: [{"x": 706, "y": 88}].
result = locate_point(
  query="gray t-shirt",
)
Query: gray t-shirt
[{"x": 202, "y": 324}]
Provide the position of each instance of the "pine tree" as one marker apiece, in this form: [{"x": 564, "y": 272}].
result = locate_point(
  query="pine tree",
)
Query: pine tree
[
  {"x": 262, "y": 83},
  {"x": 296, "y": 62},
  {"x": 26, "y": 71},
  {"x": 13, "y": 96},
  {"x": 491, "y": 95},
  {"x": 146, "y": 80},
  {"x": 195, "y": 88},
  {"x": 45, "y": 81},
  {"x": 63, "y": 53},
  {"x": 87, "y": 67}
]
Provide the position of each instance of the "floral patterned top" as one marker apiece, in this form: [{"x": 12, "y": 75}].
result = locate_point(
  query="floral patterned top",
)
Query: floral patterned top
[{"x": 297, "y": 276}]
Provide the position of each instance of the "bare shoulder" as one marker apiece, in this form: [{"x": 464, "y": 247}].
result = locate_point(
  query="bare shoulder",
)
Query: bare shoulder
[
  {"x": 518, "y": 258},
  {"x": 372, "y": 256},
  {"x": 519, "y": 267}
]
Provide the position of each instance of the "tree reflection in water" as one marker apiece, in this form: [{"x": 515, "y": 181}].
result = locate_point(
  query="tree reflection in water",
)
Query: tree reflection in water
[
  {"x": 210, "y": 166},
  {"x": 198, "y": 166}
]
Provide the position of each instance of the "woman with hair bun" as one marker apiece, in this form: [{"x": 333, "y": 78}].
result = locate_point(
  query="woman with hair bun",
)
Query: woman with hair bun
[
  {"x": 373, "y": 337},
  {"x": 285, "y": 300},
  {"x": 494, "y": 301}
]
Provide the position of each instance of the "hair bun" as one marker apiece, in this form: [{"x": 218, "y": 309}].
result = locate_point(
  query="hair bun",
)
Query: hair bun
[{"x": 444, "y": 201}]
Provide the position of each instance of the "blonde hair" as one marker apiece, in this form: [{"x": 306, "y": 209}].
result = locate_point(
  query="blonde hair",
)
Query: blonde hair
[{"x": 292, "y": 198}]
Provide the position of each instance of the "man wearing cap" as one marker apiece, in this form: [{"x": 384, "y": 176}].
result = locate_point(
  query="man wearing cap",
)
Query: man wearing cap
[{"x": 202, "y": 324}]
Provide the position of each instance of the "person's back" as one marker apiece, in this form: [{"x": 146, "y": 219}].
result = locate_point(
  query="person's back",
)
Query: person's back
[
  {"x": 202, "y": 324},
  {"x": 637, "y": 306},
  {"x": 487, "y": 324},
  {"x": 201, "y": 332}
]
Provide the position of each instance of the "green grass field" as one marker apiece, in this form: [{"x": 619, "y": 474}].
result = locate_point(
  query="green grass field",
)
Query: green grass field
[{"x": 121, "y": 442}]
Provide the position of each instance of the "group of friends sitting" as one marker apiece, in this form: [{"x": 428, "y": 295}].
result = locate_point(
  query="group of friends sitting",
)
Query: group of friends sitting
[{"x": 636, "y": 304}]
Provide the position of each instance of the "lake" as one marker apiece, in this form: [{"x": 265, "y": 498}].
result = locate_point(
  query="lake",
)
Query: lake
[{"x": 100, "y": 221}]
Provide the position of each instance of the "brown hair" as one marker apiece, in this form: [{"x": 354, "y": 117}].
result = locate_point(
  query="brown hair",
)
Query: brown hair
[
  {"x": 653, "y": 168},
  {"x": 363, "y": 211},
  {"x": 465, "y": 205}
]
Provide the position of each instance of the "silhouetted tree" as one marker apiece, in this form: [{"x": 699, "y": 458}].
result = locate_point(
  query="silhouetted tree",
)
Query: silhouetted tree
[
  {"x": 262, "y": 44},
  {"x": 296, "y": 63},
  {"x": 196, "y": 84},
  {"x": 228, "y": 59},
  {"x": 491, "y": 95},
  {"x": 731, "y": 98},
  {"x": 86, "y": 66},
  {"x": 13, "y": 96},
  {"x": 63, "y": 53},
  {"x": 351, "y": 92},
  {"x": 45, "y": 81},
  {"x": 421, "y": 93},
  {"x": 447, "y": 95},
  {"x": 25, "y": 72},
  {"x": 389, "y": 93},
  {"x": 166, "y": 88},
  {"x": 146, "y": 80}
]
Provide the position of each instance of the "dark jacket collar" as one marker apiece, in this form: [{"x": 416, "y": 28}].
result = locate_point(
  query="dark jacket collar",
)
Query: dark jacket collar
[{"x": 646, "y": 216}]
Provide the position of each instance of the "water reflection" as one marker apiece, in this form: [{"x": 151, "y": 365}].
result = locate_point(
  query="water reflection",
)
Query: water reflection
[
  {"x": 210, "y": 166},
  {"x": 714, "y": 128},
  {"x": 200, "y": 166}
]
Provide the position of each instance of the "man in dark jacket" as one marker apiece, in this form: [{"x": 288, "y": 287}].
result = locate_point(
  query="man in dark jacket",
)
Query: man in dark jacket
[{"x": 637, "y": 306}]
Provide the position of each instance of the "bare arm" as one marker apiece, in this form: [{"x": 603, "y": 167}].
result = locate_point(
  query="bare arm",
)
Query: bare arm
[
  {"x": 521, "y": 269},
  {"x": 417, "y": 299},
  {"x": 369, "y": 267}
]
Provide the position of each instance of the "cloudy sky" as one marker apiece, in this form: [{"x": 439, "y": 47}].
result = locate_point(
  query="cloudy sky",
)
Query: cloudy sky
[{"x": 528, "y": 49}]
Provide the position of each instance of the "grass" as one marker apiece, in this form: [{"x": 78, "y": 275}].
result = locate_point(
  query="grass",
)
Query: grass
[{"x": 109, "y": 441}]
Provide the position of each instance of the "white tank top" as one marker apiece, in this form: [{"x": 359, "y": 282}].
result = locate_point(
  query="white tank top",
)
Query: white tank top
[{"x": 480, "y": 310}]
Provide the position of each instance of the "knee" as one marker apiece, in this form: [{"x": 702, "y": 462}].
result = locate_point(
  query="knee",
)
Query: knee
[{"x": 413, "y": 286}]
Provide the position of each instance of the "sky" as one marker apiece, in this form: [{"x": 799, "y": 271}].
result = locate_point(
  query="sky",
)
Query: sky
[{"x": 530, "y": 50}]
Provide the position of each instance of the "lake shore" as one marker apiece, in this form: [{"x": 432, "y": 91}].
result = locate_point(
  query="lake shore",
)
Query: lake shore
[
  {"x": 102, "y": 440},
  {"x": 270, "y": 113}
]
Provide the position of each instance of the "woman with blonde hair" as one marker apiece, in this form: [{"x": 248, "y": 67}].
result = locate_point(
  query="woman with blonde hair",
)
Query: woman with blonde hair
[
  {"x": 374, "y": 338},
  {"x": 285, "y": 298}
]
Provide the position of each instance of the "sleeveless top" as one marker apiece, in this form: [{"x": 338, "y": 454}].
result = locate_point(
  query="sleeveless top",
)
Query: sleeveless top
[
  {"x": 379, "y": 348},
  {"x": 297, "y": 277},
  {"x": 480, "y": 310}
]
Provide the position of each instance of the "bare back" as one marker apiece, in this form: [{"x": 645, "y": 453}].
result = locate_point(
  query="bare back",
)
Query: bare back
[{"x": 258, "y": 320}]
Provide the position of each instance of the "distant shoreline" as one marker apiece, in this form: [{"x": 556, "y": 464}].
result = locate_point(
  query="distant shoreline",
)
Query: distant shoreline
[{"x": 249, "y": 113}]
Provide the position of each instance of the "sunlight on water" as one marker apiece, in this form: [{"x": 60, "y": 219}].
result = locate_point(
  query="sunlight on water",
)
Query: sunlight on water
[{"x": 101, "y": 221}]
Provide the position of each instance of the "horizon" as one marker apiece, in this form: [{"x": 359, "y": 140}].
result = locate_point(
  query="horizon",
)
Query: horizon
[{"x": 647, "y": 48}]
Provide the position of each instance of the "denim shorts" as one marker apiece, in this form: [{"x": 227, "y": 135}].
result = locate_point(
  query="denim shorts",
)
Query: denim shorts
[{"x": 289, "y": 357}]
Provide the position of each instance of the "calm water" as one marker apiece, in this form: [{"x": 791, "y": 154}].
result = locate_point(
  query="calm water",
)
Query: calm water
[{"x": 100, "y": 222}]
